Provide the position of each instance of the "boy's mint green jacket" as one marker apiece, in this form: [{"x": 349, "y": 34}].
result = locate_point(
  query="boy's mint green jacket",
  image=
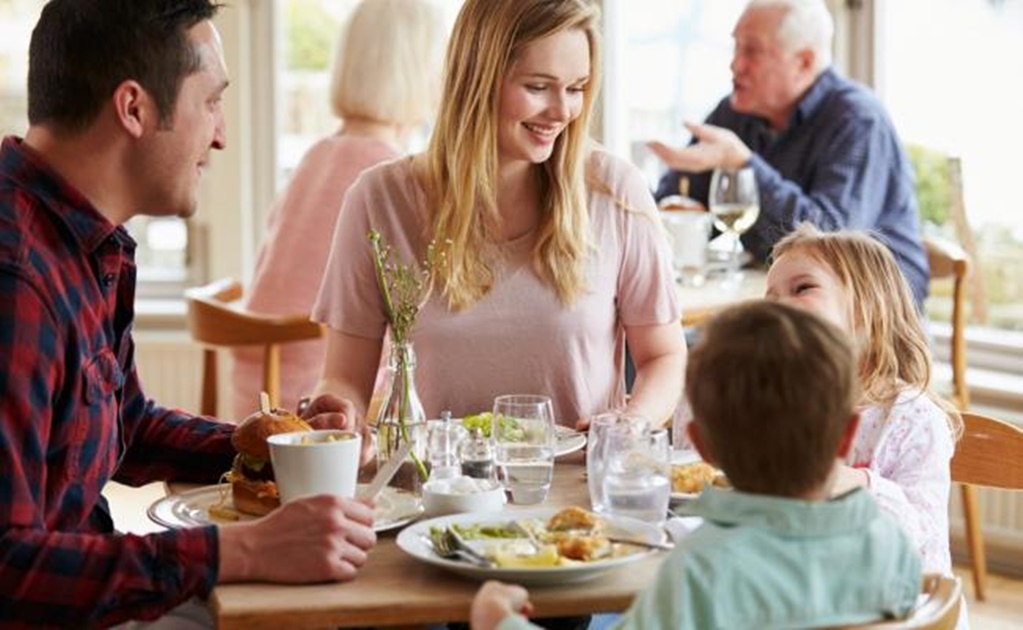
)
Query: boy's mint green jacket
[{"x": 767, "y": 562}]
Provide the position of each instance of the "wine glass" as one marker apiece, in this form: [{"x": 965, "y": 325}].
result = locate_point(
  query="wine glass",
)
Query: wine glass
[
  {"x": 523, "y": 434},
  {"x": 735, "y": 204}
]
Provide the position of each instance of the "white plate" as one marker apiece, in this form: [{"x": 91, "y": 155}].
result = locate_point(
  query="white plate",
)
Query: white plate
[
  {"x": 566, "y": 439},
  {"x": 680, "y": 458},
  {"x": 414, "y": 540},
  {"x": 191, "y": 508}
]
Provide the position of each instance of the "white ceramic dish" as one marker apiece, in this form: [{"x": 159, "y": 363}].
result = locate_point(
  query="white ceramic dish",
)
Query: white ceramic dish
[
  {"x": 440, "y": 497},
  {"x": 192, "y": 508},
  {"x": 414, "y": 540},
  {"x": 680, "y": 458}
]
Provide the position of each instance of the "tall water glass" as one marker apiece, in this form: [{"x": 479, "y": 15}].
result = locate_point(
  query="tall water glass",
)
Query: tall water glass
[
  {"x": 637, "y": 472},
  {"x": 523, "y": 435},
  {"x": 595, "y": 438}
]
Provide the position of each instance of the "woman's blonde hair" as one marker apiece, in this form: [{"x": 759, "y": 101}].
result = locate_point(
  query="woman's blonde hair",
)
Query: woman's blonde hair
[
  {"x": 387, "y": 62},
  {"x": 893, "y": 349},
  {"x": 459, "y": 172}
]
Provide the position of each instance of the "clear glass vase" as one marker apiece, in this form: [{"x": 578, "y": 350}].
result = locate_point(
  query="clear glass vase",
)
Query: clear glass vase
[{"x": 402, "y": 419}]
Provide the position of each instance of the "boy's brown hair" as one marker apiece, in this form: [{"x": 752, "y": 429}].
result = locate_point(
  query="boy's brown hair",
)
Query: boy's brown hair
[{"x": 772, "y": 389}]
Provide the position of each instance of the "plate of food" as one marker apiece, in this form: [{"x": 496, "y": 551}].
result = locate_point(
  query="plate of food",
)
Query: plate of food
[
  {"x": 567, "y": 439},
  {"x": 533, "y": 547},
  {"x": 213, "y": 505},
  {"x": 250, "y": 487},
  {"x": 690, "y": 475}
]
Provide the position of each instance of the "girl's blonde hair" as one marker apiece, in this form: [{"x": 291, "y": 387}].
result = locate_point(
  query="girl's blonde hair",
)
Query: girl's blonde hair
[
  {"x": 893, "y": 349},
  {"x": 387, "y": 62},
  {"x": 459, "y": 171}
]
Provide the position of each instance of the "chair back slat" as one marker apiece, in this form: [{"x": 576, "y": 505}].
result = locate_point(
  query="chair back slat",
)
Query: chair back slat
[
  {"x": 216, "y": 320},
  {"x": 990, "y": 453}
]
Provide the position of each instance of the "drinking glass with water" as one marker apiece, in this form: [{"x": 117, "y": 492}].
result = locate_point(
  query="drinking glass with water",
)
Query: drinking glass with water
[
  {"x": 595, "y": 439},
  {"x": 523, "y": 435},
  {"x": 637, "y": 472}
]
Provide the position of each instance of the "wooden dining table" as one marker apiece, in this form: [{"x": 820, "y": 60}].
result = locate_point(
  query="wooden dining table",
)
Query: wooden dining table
[
  {"x": 701, "y": 302},
  {"x": 395, "y": 589}
]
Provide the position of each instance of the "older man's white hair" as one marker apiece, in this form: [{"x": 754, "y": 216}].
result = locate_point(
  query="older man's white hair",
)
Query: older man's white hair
[{"x": 806, "y": 24}]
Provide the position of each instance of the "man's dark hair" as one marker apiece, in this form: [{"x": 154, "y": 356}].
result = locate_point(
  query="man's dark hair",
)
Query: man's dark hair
[
  {"x": 81, "y": 50},
  {"x": 772, "y": 389}
]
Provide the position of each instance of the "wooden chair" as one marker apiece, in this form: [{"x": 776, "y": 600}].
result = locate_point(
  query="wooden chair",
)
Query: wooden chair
[
  {"x": 938, "y": 609},
  {"x": 948, "y": 260},
  {"x": 989, "y": 454},
  {"x": 217, "y": 323}
]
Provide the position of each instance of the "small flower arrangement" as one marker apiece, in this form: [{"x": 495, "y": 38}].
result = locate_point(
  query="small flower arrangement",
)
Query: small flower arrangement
[{"x": 405, "y": 289}]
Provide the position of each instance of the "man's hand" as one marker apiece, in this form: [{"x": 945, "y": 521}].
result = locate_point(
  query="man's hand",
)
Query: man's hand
[
  {"x": 716, "y": 147},
  {"x": 328, "y": 411},
  {"x": 495, "y": 601},
  {"x": 324, "y": 538}
]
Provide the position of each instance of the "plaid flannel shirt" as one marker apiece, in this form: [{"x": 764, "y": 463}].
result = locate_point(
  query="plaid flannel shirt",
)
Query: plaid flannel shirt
[{"x": 73, "y": 416}]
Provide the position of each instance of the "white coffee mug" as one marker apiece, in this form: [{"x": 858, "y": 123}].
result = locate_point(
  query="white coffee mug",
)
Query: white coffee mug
[
  {"x": 315, "y": 462},
  {"x": 690, "y": 233}
]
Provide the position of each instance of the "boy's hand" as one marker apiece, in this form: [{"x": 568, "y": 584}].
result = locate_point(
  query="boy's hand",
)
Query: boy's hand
[{"x": 495, "y": 601}]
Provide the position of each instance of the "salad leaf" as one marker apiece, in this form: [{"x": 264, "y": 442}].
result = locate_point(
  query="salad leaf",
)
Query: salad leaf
[{"x": 510, "y": 428}]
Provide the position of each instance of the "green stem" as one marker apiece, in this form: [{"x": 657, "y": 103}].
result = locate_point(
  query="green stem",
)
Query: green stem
[{"x": 405, "y": 405}]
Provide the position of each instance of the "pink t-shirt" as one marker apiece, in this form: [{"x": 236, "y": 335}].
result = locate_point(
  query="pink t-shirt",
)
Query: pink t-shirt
[
  {"x": 519, "y": 339},
  {"x": 292, "y": 258}
]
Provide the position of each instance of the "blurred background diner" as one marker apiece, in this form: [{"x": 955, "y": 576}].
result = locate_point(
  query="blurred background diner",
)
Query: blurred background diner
[{"x": 951, "y": 89}]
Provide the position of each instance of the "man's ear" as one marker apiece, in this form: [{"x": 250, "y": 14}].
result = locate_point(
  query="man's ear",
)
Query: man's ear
[
  {"x": 134, "y": 109},
  {"x": 848, "y": 434},
  {"x": 698, "y": 443},
  {"x": 806, "y": 60}
]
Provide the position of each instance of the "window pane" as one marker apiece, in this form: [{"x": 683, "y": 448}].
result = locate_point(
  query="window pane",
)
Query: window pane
[
  {"x": 950, "y": 88},
  {"x": 308, "y": 31},
  {"x": 163, "y": 243},
  {"x": 675, "y": 69}
]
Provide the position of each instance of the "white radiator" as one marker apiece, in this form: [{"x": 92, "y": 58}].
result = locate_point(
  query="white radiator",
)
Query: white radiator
[
  {"x": 170, "y": 368},
  {"x": 1002, "y": 518}
]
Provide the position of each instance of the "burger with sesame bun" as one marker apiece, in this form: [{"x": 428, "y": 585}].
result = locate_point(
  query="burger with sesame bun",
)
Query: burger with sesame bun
[{"x": 253, "y": 487}]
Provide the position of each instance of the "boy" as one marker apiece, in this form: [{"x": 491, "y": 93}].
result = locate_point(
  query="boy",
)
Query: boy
[{"x": 773, "y": 392}]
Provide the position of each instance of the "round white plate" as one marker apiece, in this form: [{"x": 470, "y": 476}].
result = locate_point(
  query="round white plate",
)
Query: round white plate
[
  {"x": 191, "y": 508},
  {"x": 566, "y": 439},
  {"x": 679, "y": 458},
  {"x": 415, "y": 541}
]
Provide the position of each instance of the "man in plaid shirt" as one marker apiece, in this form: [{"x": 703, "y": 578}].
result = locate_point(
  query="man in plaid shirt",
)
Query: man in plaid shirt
[{"x": 124, "y": 108}]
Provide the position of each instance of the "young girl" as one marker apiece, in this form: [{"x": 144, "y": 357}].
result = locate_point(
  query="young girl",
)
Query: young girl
[{"x": 907, "y": 433}]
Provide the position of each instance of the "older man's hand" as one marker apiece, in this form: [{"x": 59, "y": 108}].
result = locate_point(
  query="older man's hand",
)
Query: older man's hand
[{"x": 716, "y": 147}]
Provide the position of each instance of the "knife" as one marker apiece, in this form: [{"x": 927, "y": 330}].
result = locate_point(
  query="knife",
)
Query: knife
[{"x": 386, "y": 473}]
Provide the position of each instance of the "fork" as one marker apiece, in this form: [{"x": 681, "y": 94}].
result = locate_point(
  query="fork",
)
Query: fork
[
  {"x": 446, "y": 547},
  {"x": 454, "y": 541}
]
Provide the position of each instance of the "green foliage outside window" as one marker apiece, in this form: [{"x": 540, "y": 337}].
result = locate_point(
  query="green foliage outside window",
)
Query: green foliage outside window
[{"x": 311, "y": 34}]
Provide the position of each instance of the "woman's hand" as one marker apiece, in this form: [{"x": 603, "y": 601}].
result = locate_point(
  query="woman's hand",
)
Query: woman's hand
[{"x": 328, "y": 411}]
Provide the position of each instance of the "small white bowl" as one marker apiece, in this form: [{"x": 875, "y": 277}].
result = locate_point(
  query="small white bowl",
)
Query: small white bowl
[{"x": 462, "y": 494}]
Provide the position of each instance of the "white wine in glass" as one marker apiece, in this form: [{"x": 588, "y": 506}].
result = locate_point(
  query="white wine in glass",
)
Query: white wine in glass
[{"x": 735, "y": 204}]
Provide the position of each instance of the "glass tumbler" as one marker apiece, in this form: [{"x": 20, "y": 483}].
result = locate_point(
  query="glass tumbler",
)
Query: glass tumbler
[
  {"x": 523, "y": 435},
  {"x": 637, "y": 472}
]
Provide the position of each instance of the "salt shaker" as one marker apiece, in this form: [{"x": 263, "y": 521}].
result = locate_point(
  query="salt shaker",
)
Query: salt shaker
[{"x": 477, "y": 456}]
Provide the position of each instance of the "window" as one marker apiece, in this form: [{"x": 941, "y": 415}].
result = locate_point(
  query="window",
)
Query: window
[
  {"x": 954, "y": 88},
  {"x": 672, "y": 60},
  {"x": 163, "y": 256}
]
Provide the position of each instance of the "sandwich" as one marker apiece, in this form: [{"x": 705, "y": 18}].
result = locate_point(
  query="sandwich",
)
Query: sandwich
[{"x": 253, "y": 487}]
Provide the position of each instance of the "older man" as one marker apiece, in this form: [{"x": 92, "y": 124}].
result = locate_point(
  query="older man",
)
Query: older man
[{"x": 822, "y": 146}]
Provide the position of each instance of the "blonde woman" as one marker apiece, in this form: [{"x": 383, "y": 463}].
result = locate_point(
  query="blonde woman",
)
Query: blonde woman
[
  {"x": 554, "y": 257},
  {"x": 907, "y": 433},
  {"x": 385, "y": 83}
]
